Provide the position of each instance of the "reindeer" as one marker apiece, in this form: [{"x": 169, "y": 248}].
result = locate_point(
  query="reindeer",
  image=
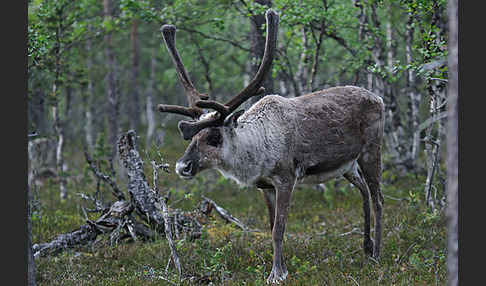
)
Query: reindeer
[{"x": 280, "y": 142}]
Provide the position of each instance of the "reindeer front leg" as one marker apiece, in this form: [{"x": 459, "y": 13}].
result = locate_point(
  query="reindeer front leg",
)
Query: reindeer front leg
[{"x": 283, "y": 194}]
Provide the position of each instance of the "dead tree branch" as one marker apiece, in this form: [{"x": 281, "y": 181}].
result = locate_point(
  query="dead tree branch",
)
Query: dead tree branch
[
  {"x": 118, "y": 220},
  {"x": 116, "y": 190},
  {"x": 207, "y": 205},
  {"x": 165, "y": 213}
]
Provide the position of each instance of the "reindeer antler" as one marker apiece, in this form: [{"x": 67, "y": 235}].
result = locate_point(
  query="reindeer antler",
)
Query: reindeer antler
[
  {"x": 197, "y": 101},
  {"x": 169, "y": 34}
]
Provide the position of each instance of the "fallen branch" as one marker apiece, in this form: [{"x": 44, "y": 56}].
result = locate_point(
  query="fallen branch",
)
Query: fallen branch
[
  {"x": 84, "y": 235},
  {"x": 167, "y": 223},
  {"x": 207, "y": 205},
  {"x": 353, "y": 231},
  {"x": 142, "y": 196},
  {"x": 118, "y": 218}
]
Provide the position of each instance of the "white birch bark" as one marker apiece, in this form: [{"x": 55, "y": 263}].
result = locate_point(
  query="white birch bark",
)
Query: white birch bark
[{"x": 452, "y": 189}]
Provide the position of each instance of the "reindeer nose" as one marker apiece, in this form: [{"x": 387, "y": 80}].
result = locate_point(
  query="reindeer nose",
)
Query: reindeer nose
[{"x": 184, "y": 169}]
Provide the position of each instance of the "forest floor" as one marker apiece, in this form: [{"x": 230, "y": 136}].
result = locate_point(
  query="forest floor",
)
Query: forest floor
[{"x": 322, "y": 245}]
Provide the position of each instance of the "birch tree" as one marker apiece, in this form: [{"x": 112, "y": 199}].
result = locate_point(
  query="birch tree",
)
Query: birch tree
[{"x": 452, "y": 149}]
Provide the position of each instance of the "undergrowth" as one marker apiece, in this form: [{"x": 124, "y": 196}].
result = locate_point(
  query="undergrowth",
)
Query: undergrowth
[{"x": 320, "y": 247}]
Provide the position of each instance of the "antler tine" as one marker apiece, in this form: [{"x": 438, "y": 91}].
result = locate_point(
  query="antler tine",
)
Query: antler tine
[
  {"x": 169, "y": 34},
  {"x": 189, "y": 129},
  {"x": 191, "y": 112},
  {"x": 253, "y": 88}
]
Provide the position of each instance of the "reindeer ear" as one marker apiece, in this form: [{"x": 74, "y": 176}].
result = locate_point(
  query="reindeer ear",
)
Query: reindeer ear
[{"x": 231, "y": 121}]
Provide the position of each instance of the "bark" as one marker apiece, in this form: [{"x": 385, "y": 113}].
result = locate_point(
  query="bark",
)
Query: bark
[
  {"x": 142, "y": 196},
  {"x": 149, "y": 100},
  {"x": 414, "y": 96},
  {"x": 389, "y": 43},
  {"x": 59, "y": 129},
  {"x": 37, "y": 112},
  {"x": 301, "y": 73},
  {"x": 85, "y": 234},
  {"x": 377, "y": 52},
  {"x": 112, "y": 221},
  {"x": 165, "y": 214},
  {"x": 58, "y": 125},
  {"x": 110, "y": 84},
  {"x": 134, "y": 106},
  {"x": 146, "y": 201},
  {"x": 88, "y": 102},
  {"x": 257, "y": 40},
  {"x": 315, "y": 61},
  {"x": 30, "y": 255},
  {"x": 435, "y": 131},
  {"x": 452, "y": 189},
  {"x": 395, "y": 133},
  {"x": 363, "y": 34},
  {"x": 31, "y": 174}
]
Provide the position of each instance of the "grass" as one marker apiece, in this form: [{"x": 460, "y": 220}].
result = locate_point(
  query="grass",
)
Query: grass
[{"x": 315, "y": 249}]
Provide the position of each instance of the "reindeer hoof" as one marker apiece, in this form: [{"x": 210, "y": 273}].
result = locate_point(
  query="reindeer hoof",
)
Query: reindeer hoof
[{"x": 277, "y": 275}]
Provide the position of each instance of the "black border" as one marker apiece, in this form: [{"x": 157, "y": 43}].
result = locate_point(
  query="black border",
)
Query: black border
[{"x": 14, "y": 116}]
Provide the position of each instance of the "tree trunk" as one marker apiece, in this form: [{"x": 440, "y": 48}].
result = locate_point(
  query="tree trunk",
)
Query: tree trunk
[
  {"x": 37, "y": 112},
  {"x": 414, "y": 97},
  {"x": 111, "y": 85},
  {"x": 258, "y": 48},
  {"x": 433, "y": 141},
  {"x": 59, "y": 129},
  {"x": 149, "y": 101},
  {"x": 88, "y": 103},
  {"x": 315, "y": 62},
  {"x": 377, "y": 51},
  {"x": 134, "y": 106},
  {"x": 301, "y": 74},
  {"x": 30, "y": 254},
  {"x": 452, "y": 189}
]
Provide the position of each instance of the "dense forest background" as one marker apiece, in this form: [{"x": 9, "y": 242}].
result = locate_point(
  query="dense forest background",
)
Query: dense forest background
[{"x": 98, "y": 68}]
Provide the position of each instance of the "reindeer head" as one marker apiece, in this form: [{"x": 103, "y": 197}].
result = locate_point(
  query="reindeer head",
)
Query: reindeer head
[{"x": 208, "y": 131}]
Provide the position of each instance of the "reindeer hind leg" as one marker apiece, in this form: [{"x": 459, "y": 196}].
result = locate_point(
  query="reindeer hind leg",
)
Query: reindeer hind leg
[
  {"x": 370, "y": 165},
  {"x": 357, "y": 180}
]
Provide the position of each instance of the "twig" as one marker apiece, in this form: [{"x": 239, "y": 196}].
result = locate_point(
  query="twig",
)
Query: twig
[
  {"x": 99, "y": 206},
  {"x": 355, "y": 282},
  {"x": 353, "y": 231},
  {"x": 116, "y": 191},
  {"x": 233, "y": 43},
  {"x": 439, "y": 79},
  {"x": 399, "y": 260},
  {"x": 166, "y": 279},
  {"x": 395, "y": 199}
]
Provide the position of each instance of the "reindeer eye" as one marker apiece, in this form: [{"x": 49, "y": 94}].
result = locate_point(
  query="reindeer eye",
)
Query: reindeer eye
[{"x": 214, "y": 137}]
